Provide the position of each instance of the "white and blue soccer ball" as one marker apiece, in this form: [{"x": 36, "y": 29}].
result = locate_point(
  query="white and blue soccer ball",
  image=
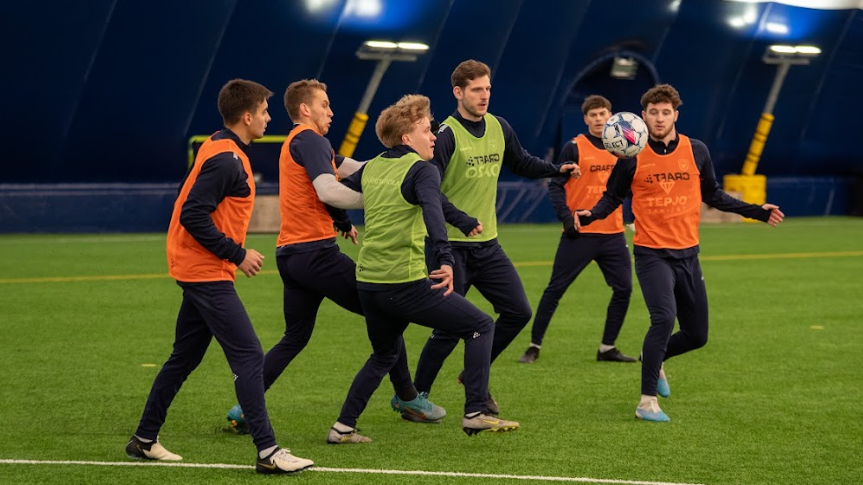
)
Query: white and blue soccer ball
[{"x": 624, "y": 134}]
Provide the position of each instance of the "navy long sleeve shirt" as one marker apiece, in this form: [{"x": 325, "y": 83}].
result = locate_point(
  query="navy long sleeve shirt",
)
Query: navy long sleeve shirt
[
  {"x": 557, "y": 184},
  {"x": 421, "y": 186},
  {"x": 221, "y": 176},
  {"x": 315, "y": 153},
  {"x": 620, "y": 183},
  {"x": 514, "y": 156}
]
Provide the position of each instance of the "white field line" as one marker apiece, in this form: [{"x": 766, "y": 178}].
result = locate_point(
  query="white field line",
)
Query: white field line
[{"x": 343, "y": 470}]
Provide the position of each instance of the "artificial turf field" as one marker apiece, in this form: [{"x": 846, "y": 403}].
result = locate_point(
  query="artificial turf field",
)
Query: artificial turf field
[{"x": 774, "y": 397}]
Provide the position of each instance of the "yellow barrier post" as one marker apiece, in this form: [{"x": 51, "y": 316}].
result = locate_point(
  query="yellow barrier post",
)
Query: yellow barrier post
[
  {"x": 757, "y": 145},
  {"x": 753, "y": 188},
  {"x": 352, "y": 137}
]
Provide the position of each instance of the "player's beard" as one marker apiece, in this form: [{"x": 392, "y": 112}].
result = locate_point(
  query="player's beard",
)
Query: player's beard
[
  {"x": 473, "y": 111},
  {"x": 660, "y": 135}
]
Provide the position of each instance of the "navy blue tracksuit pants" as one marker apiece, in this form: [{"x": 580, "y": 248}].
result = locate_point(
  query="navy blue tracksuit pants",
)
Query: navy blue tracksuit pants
[
  {"x": 309, "y": 277},
  {"x": 212, "y": 310},
  {"x": 389, "y": 308},
  {"x": 673, "y": 288},
  {"x": 573, "y": 255},
  {"x": 487, "y": 267}
]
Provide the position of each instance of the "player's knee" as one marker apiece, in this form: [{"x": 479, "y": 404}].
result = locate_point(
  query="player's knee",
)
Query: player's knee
[
  {"x": 554, "y": 292},
  {"x": 186, "y": 367},
  {"x": 662, "y": 319},
  {"x": 698, "y": 340},
  {"x": 295, "y": 342},
  {"x": 296, "y": 338},
  {"x": 485, "y": 325},
  {"x": 386, "y": 359},
  {"x": 518, "y": 317},
  {"x": 186, "y": 359},
  {"x": 622, "y": 293},
  {"x": 248, "y": 362},
  {"x": 255, "y": 358}
]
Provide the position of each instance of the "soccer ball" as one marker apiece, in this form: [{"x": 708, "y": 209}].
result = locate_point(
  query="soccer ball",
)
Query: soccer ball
[{"x": 624, "y": 134}]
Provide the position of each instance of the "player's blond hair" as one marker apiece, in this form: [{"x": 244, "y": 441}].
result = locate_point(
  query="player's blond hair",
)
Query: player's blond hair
[
  {"x": 399, "y": 118},
  {"x": 300, "y": 92}
]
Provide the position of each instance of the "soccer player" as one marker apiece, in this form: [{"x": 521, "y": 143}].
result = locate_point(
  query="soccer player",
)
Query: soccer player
[
  {"x": 205, "y": 248},
  {"x": 602, "y": 242},
  {"x": 310, "y": 263},
  {"x": 402, "y": 203},
  {"x": 472, "y": 144},
  {"x": 669, "y": 179}
]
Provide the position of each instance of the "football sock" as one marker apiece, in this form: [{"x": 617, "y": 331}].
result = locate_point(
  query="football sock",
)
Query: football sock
[
  {"x": 646, "y": 401},
  {"x": 143, "y": 440},
  {"x": 408, "y": 394},
  {"x": 472, "y": 415},
  {"x": 342, "y": 428},
  {"x": 267, "y": 452},
  {"x": 605, "y": 348},
  {"x": 535, "y": 345}
]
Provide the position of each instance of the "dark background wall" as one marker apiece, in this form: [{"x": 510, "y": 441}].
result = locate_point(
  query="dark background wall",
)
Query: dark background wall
[{"x": 111, "y": 90}]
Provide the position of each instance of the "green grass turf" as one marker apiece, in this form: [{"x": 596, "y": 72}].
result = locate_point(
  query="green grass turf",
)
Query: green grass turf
[{"x": 773, "y": 398}]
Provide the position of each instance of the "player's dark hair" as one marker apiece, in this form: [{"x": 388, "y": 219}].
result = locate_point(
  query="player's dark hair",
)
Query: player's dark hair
[
  {"x": 239, "y": 96},
  {"x": 467, "y": 71},
  {"x": 595, "y": 101},
  {"x": 661, "y": 93}
]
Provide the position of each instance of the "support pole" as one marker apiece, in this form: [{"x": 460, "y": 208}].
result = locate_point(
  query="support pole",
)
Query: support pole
[
  {"x": 358, "y": 123},
  {"x": 766, "y": 121}
]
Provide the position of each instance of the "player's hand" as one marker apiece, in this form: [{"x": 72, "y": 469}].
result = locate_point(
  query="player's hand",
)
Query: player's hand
[
  {"x": 579, "y": 215},
  {"x": 776, "y": 215},
  {"x": 573, "y": 169},
  {"x": 252, "y": 264},
  {"x": 444, "y": 274},
  {"x": 476, "y": 230},
  {"x": 352, "y": 235}
]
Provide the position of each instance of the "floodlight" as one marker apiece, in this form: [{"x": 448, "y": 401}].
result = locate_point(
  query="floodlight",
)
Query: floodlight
[{"x": 384, "y": 52}]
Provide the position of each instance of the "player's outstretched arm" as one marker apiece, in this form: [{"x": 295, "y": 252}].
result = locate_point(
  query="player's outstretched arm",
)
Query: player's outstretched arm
[
  {"x": 776, "y": 215},
  {"x": 616, "y": 190},
  {"x": 331, "y": 192},
  {"x": 346, "y": 166},
  {"x": 572, "y": 168},
  {"x": 523, "y": 163}
]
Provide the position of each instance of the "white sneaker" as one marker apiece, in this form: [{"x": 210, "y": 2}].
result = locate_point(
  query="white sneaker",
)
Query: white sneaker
[
  {"x": 336, "y": 437},
  {"x": 282, "y": 461},
  {"x": 139, "y": 450},
  {"x": 486, "y": 422}
]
